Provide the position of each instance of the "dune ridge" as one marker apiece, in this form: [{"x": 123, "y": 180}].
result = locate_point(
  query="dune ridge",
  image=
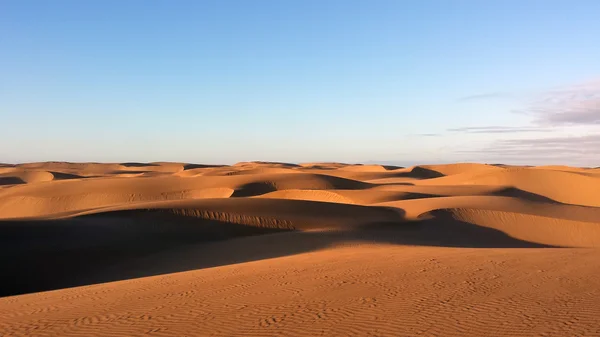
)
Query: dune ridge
[
  {"x": 534, "y": 228},
  {"x": 259, "y": 248}
]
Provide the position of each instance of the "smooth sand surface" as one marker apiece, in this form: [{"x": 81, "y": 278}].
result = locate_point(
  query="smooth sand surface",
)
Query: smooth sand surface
[{"x": 315, "y": 249}]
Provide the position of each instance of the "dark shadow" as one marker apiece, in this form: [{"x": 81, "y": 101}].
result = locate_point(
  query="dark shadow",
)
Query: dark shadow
[
  {"x": 321, "y": 167},
  {"x": 324, "y": 166},
  {"x": 392, "y": 184},
  {"x": 518, "y": 193},
  {"x": 138, "y": 164},
  {"x": 419, "y": 173},
  {"x": 253, "y": 189},
  {"x": 11, "y": 181},
  {"x": 414, "y": 195},
  {"x": 65, "y": 176},
  {"x": 392, "y": 167},
  {"x": 128, "y": 172},
  {"x": 57, "y": 176},
  {"x": 332, "y": 182},
  {"x": 196, "y": 166},
  {"x": 442, "y": 230},
  {"x": 54, "y": 254}
]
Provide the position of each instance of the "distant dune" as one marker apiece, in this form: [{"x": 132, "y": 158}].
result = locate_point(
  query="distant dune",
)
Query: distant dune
[{"x": 331, "y": 249}]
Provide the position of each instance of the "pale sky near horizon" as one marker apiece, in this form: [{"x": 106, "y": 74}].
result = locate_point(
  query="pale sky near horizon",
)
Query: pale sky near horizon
[{"x": 405, "y": 82}]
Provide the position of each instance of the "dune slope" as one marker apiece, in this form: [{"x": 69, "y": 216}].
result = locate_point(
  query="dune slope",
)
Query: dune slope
[{"x": 265, "y": 248}]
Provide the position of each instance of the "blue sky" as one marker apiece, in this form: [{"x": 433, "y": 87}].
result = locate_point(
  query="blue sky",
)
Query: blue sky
[{"x": 353, "y": 81}]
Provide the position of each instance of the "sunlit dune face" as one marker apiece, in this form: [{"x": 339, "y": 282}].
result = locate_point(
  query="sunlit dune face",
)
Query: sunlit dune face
[{"x": 298, "y": 250}]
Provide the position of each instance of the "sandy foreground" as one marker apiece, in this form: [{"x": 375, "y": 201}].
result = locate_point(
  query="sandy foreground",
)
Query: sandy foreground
[{"x": 321, "y": 249}]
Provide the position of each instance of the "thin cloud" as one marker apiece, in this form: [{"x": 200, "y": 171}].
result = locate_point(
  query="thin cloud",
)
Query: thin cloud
[
  {"x": 569, "y": 106},
  {"x": 573, "y": 150},
  {"x": 485, "y": 96},
  {"x": 498, "y": 129}
]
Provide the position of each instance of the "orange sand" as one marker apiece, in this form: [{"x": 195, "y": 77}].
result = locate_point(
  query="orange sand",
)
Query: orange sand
[{"x": 319, "y": 249}]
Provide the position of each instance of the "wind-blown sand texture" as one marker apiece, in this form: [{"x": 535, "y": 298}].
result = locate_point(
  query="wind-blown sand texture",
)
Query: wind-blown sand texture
[{"x": 318, "y": 249}]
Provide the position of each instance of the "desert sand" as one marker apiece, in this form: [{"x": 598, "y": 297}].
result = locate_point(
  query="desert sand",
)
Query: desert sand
[{"x": 316, "y": 249}]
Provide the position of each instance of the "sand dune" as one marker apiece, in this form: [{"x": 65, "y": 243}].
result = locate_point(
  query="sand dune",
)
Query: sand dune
[
  {"x": 458, "y": 168},
  {"x": 534, "y": 228},
  {"x": 66, "y": 196},
  {"x": 367, "y": 168},
  {"x": 563, "y": 186},
  {"x": 267, "y": 248},
  {"x": 314, "y": 195},
  {"x": 24, "y": 177}
]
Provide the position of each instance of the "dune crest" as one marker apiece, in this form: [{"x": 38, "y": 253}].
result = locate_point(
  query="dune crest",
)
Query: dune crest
[
  {"x": 534, "y": 228},
  {"x": 261, "y": 248}
]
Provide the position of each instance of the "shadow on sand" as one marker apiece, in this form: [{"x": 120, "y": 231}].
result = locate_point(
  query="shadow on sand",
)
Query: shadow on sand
[
  {"x": 11, "y": 181},
  {"x": 53, "y": 254},
  {"x": 138, "y": 164}
]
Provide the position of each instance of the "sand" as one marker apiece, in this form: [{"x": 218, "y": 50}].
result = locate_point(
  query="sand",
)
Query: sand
[{"x": 315, "y": 249}]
